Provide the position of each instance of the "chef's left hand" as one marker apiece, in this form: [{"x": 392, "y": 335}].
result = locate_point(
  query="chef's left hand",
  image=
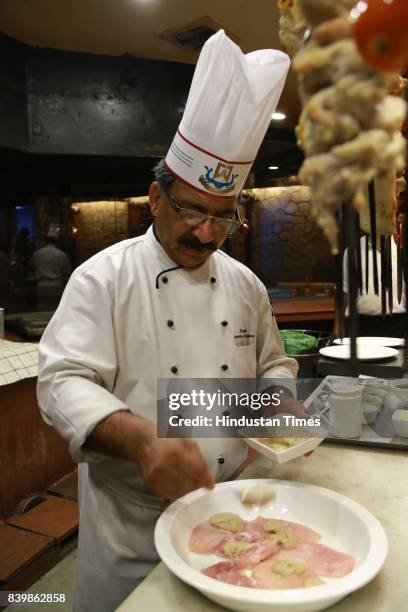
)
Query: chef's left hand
[{"x": 289, "y": 405}]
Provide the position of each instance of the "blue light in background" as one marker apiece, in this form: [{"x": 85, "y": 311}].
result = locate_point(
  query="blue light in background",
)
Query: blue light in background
[{"x": 25, "y": 217}]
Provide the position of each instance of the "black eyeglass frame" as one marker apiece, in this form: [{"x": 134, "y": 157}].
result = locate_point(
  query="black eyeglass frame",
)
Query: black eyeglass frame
[{"x": 235, "y": 221}]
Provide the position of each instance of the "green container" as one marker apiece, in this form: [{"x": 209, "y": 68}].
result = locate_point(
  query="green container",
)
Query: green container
[{"x": 296, "y": 342}]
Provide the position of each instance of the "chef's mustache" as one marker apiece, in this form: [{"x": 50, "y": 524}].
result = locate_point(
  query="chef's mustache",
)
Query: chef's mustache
[{"x": 193, "y": 243}]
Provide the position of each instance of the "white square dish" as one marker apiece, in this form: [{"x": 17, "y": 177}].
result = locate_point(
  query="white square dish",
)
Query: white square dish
[{"x": 282, "y": 456}]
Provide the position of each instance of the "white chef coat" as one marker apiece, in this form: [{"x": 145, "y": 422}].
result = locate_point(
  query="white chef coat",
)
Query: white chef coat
[{"x": 104, "y": 349}]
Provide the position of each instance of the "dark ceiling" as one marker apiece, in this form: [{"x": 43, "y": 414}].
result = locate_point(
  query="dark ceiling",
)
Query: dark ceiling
[{"x": 58, "y": 137}]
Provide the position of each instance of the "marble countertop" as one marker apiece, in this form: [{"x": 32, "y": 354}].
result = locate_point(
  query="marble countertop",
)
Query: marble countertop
[{"x": 374, "y": 478}]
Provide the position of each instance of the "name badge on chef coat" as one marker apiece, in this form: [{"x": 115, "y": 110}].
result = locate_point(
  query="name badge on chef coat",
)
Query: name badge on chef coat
[{"x": 244, "y": 337}]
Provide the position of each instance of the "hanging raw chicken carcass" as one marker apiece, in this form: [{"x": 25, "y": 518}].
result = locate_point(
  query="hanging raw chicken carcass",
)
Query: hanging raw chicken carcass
[
  {"x": 350, "y": 125},
  {"x": 292, "y": 25}
]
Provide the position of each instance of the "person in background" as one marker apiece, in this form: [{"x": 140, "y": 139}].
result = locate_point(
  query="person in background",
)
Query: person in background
[
  {"x": 371, "y": 321},
  {"x": 6, "y": 276},
  {"x": 166, "y": 305},
  {"x": 4, "y": 262},
  {"x": 51, "y": 268},
  {"x": 24, "y": 248}
]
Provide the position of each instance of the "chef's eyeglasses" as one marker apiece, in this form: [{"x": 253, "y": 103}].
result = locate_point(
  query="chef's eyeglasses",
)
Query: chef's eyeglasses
[{"x": 194, "y": 218}]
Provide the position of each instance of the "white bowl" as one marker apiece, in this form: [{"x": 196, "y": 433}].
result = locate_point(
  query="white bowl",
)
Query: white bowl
[
  {"x": 343, "y": 523},
  {"x": 400, "y": 388},
  {"x": 375, "y": 386},
  {"x": 372, "y": 400},
  {"x": 368, "y": 413},
  {"x": 400, "y": 422}
]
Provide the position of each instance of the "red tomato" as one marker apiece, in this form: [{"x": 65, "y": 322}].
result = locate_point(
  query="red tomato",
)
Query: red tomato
[{"x": 381, "y": 33}]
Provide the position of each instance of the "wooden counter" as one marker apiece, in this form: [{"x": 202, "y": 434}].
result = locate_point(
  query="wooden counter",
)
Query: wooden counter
[
  {"x": 304, "y": 309},
  {"x": 14, "y": 337},
  {"x": 34, "y": 516},
  {"x": 32, "y": 454}
]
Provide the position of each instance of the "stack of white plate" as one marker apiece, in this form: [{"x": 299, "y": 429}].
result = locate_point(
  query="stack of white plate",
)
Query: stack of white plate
[{"x": 369, "y": 348}]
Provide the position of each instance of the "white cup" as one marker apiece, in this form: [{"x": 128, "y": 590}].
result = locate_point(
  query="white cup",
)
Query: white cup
[
  {"x": 345, "y": 409},
  {"x": 375, "y": 386}
]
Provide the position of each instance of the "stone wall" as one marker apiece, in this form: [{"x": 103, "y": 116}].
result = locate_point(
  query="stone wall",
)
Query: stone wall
[
  {"x": 284, "y": 245},
  {"x": 98, "y": 225},
  {"x": 287, "y": 244}
]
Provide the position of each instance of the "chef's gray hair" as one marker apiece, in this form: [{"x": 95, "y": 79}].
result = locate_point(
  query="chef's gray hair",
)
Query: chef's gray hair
[{"x": 162, "y": 176}]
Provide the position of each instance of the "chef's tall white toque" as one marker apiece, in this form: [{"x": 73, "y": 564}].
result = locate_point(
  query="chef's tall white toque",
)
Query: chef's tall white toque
[{"x": 229, "y": 108}]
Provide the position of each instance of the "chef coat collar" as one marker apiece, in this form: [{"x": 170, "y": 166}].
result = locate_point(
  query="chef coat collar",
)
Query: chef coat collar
[
  {"x": 165, "y": 262},
  {"x": 155, "y": 246}
]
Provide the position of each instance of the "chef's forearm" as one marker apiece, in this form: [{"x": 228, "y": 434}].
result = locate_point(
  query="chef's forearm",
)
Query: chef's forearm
[{"x": 121, "y": 435}]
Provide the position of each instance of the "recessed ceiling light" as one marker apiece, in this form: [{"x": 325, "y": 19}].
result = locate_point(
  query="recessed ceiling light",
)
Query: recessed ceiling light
[
  {"x": 273, "y": 167},
  {"x": 278, "y": 116}
]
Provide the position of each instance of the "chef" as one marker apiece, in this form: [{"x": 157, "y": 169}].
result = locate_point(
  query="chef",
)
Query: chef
[{"x": 165, "y": 305}]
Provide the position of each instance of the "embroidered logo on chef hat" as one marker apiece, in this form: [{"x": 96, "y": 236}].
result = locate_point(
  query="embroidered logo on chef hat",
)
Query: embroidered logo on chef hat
[
  {"x": 220, "y": 180},
  {"x": 223, "y": 179},
  {"x": 229, "y": 107}
]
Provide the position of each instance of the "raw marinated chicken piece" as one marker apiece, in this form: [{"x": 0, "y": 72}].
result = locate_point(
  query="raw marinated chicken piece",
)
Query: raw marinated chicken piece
[
  {"x": 278, "y": 574},
  {"x": 318, "y": 558},
  {"x": 205, "y": 538},
  {"x": 245, "y": 536},
  {"x": 245, "y": 554},
  {"x": 298, "y": 531},
  {"x": 236, "y": 544},
  {"x": 226, "y": 571},
  {"x": 302, "y": 533},
  {"x": 269, "y": 554}
]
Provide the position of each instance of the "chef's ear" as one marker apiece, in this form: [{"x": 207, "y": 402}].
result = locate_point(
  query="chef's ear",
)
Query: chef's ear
[{"x": 154, "y": 198}]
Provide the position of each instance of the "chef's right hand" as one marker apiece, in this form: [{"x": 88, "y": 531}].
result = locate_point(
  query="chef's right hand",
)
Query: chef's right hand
[{"x": 173, "y": 467}]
